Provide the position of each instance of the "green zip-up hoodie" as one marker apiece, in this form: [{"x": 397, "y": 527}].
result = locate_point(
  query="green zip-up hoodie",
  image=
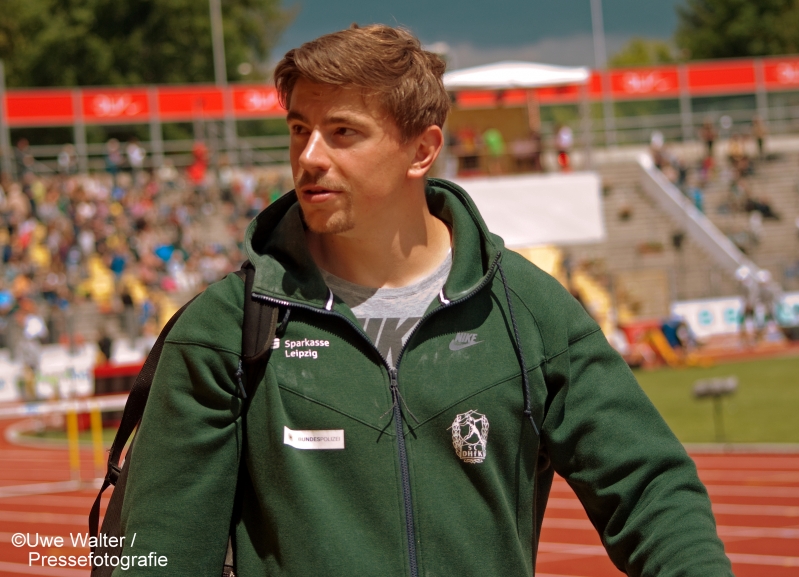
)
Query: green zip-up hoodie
[{"x": 326, "y": 485}]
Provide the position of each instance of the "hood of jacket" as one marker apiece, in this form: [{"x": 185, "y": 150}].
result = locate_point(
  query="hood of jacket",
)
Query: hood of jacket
[{"x": 275, "y": 245}]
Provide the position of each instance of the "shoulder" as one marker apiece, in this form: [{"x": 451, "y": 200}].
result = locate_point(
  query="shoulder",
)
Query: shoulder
[
  {"x": 214, "y": 318},
  {"x": 557, "y": 313}
]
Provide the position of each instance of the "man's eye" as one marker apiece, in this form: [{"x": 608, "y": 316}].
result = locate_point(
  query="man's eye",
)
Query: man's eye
[
  {"x": 297, "y": 129},
  {"x": 343, "y": 131}
]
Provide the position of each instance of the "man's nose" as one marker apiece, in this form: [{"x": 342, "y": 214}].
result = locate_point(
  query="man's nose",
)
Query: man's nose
[{"x": 315, "y": 157}]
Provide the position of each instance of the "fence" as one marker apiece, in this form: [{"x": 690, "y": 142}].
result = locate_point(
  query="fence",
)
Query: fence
[{"x": 766, "y": 86}]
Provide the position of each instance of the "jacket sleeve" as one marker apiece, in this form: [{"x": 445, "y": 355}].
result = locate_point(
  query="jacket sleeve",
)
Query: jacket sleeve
[
  {"x": 184, "y": 467},
  {"x": 637, "y": 484}
]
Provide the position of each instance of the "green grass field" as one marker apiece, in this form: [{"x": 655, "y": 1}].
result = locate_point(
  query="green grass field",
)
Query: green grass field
[{"x": 765, "y": 408}]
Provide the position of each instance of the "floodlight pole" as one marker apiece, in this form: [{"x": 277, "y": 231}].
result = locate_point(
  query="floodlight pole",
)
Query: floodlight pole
[
  {"x": 601, "y": 61},
  {"x": 218, "y": 39},
  {"x": 7, "y": 166},
  {"x": 220, "y": 75}
]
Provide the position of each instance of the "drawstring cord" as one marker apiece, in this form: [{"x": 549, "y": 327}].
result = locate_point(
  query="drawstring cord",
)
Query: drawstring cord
[
  {"x": 397, "y": 395},
  {"x": 528, "y": 412},
  {"x": 239, "y": 378},
  {"x": 281, "y": 329}
]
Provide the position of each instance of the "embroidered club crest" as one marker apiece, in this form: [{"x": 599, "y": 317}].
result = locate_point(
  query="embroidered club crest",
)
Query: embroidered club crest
[{"x": 470, "y": 436}]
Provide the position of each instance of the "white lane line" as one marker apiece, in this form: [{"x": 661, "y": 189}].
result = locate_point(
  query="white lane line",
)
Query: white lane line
[
  {"x": 6, "y": 537},
  {"x": 84, "y": 501},
  {"x": 727, "y": 490},
  {"x": 742, "y": 558},
  {"x": 755, "y": 510},
  {"x": 757, "y": 532},
  {"x": 753, "y": 491},
  {"x": 723, "y": 530},
  {"x": 48, "y": 518},
  {"x": 775, "y": 560},
  {"x": 750, "y": 476},
  {"x": 718, "y": 508},
  {"x": 572, "y": 549},
  {"x": 22, "y": 569},
  {"x": 789, "y": 465},
  {"x": 570, "y": 504},
  {"x": 39, "y": 488}
]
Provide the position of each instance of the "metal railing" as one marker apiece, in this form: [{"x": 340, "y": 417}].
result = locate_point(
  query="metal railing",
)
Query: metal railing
[
  {"x": 627, "y": 130},
  {"x": 696, "y": 225}
]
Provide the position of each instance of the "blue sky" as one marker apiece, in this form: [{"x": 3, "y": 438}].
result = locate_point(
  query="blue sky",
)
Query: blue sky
[{"x": 480, "y": 31}]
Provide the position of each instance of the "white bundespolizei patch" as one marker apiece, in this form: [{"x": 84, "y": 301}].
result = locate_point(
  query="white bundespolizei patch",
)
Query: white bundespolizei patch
[
  {"x": 319, "y": 439},
  {"x": 470, "y": 436}
]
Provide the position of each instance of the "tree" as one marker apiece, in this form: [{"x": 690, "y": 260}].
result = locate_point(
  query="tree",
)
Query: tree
[
  {"x": 110, "y": 42},
  {"x": 642, "y": 52},
  {"x": 738, "y": 28}
]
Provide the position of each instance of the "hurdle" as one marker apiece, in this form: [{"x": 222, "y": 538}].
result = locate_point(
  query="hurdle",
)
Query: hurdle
[{"x": 71, "y": 408}]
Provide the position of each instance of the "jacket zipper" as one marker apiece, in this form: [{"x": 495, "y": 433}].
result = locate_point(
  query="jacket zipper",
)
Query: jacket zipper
[{"x": 410, "y": 532}]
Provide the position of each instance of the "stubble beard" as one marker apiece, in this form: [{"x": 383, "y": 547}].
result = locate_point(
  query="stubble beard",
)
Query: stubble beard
[{"x": 342, "y": 220}]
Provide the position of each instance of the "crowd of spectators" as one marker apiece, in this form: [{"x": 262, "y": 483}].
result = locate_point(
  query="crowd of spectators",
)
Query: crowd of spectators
[
  {"x": 489, "y": 152},
  {"x": 129, "y": 243},
  {"x": 744, "y": 150}
]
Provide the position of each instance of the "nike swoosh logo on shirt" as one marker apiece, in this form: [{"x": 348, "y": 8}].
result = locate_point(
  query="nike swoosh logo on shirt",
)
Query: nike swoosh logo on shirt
[{"x": 456, "y": 346}]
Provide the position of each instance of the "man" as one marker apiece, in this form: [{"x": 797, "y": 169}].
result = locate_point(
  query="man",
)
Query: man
[{"x": 425, "y": 383}]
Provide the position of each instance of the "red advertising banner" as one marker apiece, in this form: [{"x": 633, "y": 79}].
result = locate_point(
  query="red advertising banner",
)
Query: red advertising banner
[
  {"x": 782, "y": 74},
  {"x": 721, "y": 77},
  {"x": 114, "y": 105},
  {"x": 490, "y": 99},
  {"x": 257, "y": 101},
  {"x": 39, "y": 107},
  {"x": 595, "y": 85},
  {"x": 206, "y": 102},
  {"x": 558, "y": 94},
  {"x": 191, "y": 103},
  {"x": 476, "y": 99},
  {"x": 661, "y": 82}
]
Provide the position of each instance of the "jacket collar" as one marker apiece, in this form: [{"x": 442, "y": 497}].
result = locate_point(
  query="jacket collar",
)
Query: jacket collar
[{"x": 284, "y": 270}]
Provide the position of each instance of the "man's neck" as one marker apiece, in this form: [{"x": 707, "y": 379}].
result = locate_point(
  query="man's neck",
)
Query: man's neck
[{"x": 397, "y": 246}]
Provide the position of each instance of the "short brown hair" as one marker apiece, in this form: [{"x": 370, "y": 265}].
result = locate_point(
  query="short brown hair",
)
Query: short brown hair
[{"x": 384, "y": 62}]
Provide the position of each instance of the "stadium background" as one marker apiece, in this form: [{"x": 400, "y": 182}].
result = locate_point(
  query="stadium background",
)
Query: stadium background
[{"x": 138, "y": 141}]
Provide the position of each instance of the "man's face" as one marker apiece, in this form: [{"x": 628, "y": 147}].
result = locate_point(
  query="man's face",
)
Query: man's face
[{"x": 347, "y": 158}]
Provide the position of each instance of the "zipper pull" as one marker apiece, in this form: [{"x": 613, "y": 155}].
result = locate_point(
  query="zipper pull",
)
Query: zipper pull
[
  {"x": 398, "y": 400},
  {"x": 392, "y": 375}
]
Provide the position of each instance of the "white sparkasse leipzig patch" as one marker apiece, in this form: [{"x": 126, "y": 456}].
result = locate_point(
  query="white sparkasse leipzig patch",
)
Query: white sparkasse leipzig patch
[{"x": 470, "y": 436}]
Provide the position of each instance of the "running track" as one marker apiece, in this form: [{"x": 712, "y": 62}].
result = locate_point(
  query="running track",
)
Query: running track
[{"x": 755, "y": 499}]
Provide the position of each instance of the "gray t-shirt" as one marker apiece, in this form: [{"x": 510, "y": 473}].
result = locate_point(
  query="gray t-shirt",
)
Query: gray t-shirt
[{"x": 388, "y": 315}]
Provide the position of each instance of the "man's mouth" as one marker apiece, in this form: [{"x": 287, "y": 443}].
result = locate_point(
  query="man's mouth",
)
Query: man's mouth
[{"x": 317, "y": 194}]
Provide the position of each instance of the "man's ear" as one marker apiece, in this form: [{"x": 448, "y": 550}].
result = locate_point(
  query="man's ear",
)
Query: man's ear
[{"x": 427, "y": 147}]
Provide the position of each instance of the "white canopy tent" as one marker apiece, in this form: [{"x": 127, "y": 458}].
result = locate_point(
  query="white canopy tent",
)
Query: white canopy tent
[
  {"x": 530, "y": 209},
  {"x": 508, "y": 75}
]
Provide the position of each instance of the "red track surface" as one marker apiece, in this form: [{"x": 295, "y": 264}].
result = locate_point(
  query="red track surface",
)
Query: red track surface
[{"x": 755, "y": 499}]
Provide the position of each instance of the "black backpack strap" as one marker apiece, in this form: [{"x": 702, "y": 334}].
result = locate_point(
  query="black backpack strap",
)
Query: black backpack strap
[
  {"x": 259, "y": 327},
  {"x": 134, "y": 409}
]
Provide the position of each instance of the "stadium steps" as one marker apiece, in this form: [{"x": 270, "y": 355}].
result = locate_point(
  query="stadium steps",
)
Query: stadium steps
[
  {"x": 778, "y": 246},
  {"x": 638, "y": 257}
]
